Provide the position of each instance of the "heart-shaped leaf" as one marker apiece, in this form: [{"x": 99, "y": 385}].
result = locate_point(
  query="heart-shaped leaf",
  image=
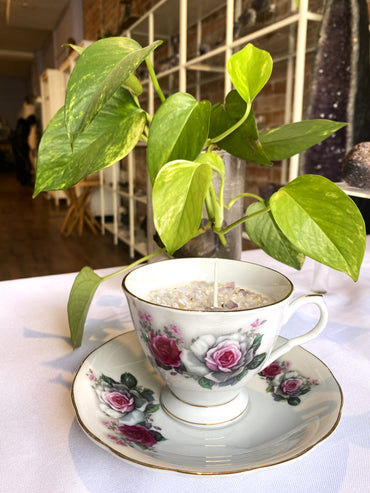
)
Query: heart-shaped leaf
[
  {"x": 111, "y": 136},
  {"x": 244, "y": 141},
  {"x": 249, "y": 70},
  {"x": 214, "y": 160},
  {"x": 310, "y": 212},
  {"x": 100, "y": 70},
  {"x": 80, "y": 297},
  {"x": 178, "y": 131},
  {"x": 179, "y": 192},
  {"x": 264, "y": 232},
  {"x": 290, "y": 139}
]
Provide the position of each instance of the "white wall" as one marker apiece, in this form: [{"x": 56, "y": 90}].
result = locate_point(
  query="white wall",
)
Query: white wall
[
  {"x": 13, "y": 91},
  {"x": 71, "y": 25}
]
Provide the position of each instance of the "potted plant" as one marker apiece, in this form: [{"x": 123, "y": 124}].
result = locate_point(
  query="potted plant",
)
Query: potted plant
[{"x": 102, "y": 121}]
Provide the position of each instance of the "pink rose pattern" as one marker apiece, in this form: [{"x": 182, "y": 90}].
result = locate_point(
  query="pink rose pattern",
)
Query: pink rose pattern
[
  {"x": 222, "y": 361},
  {"x": 164, "y": 350},
  {"x": 224, "y": 357},
  {"x": 286, "y": 384},
  {"x": 225, "y": 361},
  {"x": 138, "y": 434},
  {"x": 118, "y": 401},
  {"x": 129, "y": 407},
  {"x": 163, "y": 346}
]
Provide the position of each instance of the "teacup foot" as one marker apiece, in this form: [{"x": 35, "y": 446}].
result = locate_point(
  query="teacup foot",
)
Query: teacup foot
[{"x": 215, "y": 416}]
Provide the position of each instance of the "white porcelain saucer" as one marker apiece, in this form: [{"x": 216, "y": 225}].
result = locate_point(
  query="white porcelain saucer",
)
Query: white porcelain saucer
[{"x": 115, "y": 394}]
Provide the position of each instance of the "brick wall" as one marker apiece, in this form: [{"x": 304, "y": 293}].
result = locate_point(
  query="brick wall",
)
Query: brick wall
[
  {"x": 105, "y": 18},
  {"x": 92, "y": 19}
]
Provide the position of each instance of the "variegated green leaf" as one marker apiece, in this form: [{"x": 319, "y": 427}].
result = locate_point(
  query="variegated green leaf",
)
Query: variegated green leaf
[
  {"x": 242, "y": 142},
  {"x": 100, "y": 70},
  {"x": 290, "y": 139},
  {"x": 178, "y": 131},
  {"x": 264, "y": 232},
  {"x": 80, "y": 297},
  {"x": 249, "y": 69},
  {"x": 110, "y": 137},
  {"x": 322, "y": 222},
  {"x": 179, "y": 192}
]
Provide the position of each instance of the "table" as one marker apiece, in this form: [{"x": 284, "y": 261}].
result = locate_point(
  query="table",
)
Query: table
[{"x": 43, "y": 449}]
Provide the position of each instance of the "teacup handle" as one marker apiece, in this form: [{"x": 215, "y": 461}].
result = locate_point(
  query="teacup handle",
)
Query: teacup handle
[{"x": 315, "y": 299}]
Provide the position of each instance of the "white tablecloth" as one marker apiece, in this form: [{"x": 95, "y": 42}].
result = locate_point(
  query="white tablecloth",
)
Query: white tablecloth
[{"x": 43, "y": 449}]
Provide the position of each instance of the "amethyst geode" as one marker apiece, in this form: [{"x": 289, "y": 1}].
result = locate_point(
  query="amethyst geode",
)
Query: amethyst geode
[{"x": 340, "y": 87}]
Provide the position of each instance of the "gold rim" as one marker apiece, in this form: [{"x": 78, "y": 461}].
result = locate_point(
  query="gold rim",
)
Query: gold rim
[{"x": 169, "y": 467}]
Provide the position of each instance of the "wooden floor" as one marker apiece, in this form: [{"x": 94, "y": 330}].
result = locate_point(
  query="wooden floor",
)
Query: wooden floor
[{"x": 31, "y": 243}]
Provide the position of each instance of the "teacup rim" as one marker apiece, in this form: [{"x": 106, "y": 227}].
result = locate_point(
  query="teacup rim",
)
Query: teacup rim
[{"x": 189, "y": 310}]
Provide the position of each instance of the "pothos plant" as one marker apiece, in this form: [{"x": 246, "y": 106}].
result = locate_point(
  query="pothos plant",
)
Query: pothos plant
[{"x": 102, "y": 121}]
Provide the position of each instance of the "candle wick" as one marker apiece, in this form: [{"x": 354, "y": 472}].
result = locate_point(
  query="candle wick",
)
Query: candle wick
[{"x": 215, "y": 285}]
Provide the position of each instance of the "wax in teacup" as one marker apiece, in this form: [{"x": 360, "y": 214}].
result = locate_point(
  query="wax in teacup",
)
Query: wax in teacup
[{"x": 212, "y": 296}]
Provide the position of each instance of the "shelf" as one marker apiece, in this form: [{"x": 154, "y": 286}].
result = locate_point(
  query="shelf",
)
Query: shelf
[
  {"x": 140, "y": 244},
  {"x": 167, "y": 19},
  {"x": 142, "y": 198},
  {"x": 124, "y": 236},
  {"x": 138, "y": 198},
  {"x": 354, "y": 191}
]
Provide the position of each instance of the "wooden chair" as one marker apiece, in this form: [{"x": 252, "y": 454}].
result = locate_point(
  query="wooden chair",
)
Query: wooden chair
[{"x": 78, "y": 213}]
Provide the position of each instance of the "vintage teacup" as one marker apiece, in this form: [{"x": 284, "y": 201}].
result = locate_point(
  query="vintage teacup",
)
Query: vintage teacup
[{"x": 207, "y": 358}]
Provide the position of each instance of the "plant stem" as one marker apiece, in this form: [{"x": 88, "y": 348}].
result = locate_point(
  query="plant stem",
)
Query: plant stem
[
  {"x": 202, "y": 230},
  {"x": 222, "y": 238},
  {"x": 209, "y": 207},
  {"x": 154, "y": 79},
  {"x": 134, "y": 264},
  {"x": 218, "y": 207},
  {"x": 240, "y": 196},
  {"x": 136, "y": 99},
  {"x": 242, "y": 220},
  {"x": 231, "y": 129}
]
